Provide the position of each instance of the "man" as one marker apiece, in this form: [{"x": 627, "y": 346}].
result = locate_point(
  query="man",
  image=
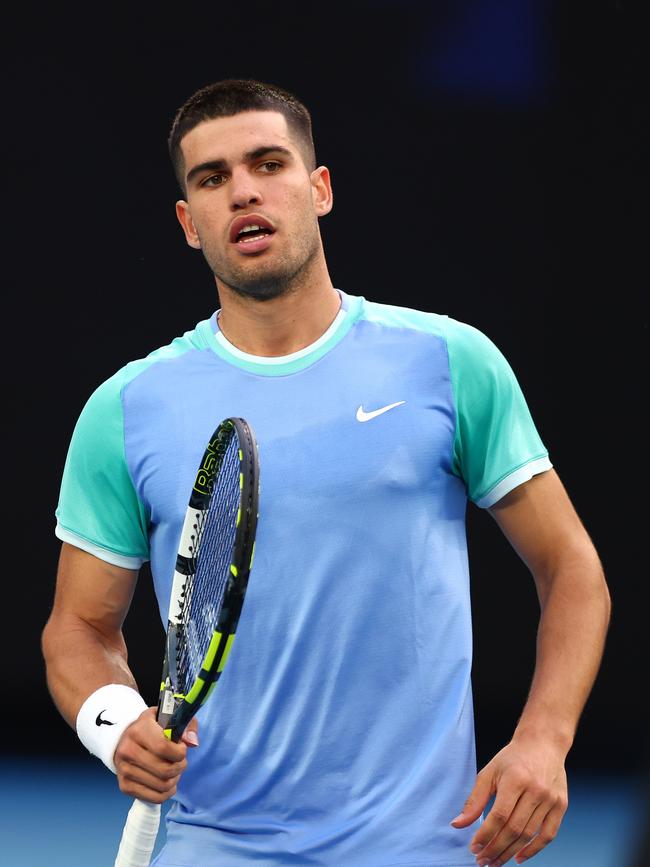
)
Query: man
[{"x": 343, "y": 733}]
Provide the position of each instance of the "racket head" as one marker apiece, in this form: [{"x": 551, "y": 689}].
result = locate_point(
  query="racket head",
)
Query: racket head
[{"x": 213, "y": 565}]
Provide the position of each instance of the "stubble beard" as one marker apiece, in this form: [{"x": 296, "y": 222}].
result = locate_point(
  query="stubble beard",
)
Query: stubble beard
[{"x": 265, "y": 282}]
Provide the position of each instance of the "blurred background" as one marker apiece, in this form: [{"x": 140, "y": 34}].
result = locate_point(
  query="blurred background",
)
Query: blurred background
[{"x": 504, "y": 137}]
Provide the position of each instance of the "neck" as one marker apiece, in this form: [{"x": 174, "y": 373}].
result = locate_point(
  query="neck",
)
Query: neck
[{"x": 281, "y": 325}]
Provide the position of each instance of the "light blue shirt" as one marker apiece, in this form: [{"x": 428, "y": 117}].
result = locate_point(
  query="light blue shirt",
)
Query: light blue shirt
[{"x": 341, "y": 731}]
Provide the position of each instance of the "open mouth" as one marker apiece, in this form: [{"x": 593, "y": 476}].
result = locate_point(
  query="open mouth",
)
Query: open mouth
[{"x": 251, "y": 233}]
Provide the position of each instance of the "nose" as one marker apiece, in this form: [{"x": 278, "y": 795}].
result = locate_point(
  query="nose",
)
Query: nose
[{"x": 244, "y": 192}]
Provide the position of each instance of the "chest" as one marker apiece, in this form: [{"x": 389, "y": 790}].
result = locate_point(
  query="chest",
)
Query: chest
[{"x": 359, "y": 424}]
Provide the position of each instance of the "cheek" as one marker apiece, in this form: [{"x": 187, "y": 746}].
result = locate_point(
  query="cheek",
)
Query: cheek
[
  {"x": 210, "y": 227},
  {"x": 299, "y": 205}
]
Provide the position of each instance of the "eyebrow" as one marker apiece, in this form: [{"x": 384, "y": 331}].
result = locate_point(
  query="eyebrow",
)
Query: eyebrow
[{"x": 249, "y": 157}]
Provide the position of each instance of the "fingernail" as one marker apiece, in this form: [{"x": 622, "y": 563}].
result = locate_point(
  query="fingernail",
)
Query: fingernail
[
  {"x": 459, "y": 816},
  {"x": 192, "y": 738},
  {"x": 475, "y": 848}
]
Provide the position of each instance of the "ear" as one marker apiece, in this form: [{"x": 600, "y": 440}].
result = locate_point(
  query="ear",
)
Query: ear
[
  {"x": 321, "y": 190},
  {"x": 186, "y": 221}
]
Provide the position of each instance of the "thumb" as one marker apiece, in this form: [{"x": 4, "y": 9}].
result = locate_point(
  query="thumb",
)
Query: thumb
[
  {"x": 190, "y": 736},
  {"x": 476, "y": 803}
]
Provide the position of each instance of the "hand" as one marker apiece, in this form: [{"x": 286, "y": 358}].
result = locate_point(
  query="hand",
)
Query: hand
[
  {"x": 148, "y": 765},
  {"x": 530, "y": 783}
]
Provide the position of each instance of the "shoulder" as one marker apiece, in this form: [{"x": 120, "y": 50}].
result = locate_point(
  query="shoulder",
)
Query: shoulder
[
  {"x": 405, "y": 318},
  {"x": 459, "y": 334},
  {"x": 109, "y": 394},
  {"x": 465, "y": 344},
  {"x": 169, "y": 355}
]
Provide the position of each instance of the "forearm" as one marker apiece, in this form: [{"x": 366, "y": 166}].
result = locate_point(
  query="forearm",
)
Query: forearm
[
  {"x": 528, "y": 775},
  {"x": 575, "y": 609},
  {"x": 79, "y": 659}
]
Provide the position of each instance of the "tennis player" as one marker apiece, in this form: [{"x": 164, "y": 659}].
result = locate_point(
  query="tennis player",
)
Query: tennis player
[{"x": 341, "y": 732}]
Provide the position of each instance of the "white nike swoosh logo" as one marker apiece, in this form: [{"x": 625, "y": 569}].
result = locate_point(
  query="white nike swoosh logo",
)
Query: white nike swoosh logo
[{"x": 366, "y": 416}]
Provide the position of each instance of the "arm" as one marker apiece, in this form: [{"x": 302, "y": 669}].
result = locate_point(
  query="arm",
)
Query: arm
[
  {"x": 528, "y": 775},
  {"x": 84, "y": 649},
  {"x": 83, "y": 643}
]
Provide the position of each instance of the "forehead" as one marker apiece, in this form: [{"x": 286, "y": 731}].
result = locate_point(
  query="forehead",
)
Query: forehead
[{"x": 227, "y": 138}]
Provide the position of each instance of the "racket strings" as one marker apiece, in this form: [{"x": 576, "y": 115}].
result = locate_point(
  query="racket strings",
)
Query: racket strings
[{"x": 214, "y": 550}]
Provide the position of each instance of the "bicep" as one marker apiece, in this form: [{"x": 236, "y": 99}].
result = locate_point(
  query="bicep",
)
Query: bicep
[
  {"x": 541, "y": 524},
  {"x": 93, "y": 591}
]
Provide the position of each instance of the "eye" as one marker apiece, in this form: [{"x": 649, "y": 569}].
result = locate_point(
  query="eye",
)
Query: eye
[
  {"x": 271, "y": 166},
  {"x": 213, "y": 181}
]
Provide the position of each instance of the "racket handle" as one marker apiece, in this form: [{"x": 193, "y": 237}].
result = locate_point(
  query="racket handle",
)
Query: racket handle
[{"x": 139, "y": 835}]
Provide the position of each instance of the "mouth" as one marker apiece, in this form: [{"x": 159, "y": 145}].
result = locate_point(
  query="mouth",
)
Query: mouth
[{"x": 251, "y": 234}]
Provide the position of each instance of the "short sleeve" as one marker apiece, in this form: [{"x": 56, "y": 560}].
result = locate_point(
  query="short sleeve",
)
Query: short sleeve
[
  {"x": 496, "y": 444},
  {"x": 99, "y": 509}
]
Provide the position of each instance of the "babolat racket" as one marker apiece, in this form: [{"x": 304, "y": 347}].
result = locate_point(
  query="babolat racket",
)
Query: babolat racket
[{"x": 214, "y": 559}]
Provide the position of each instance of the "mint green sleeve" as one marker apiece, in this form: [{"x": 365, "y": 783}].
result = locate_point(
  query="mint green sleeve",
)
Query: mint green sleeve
[
  {"x": 496, "y": 444},
  {"x": 99, "y": 509}
]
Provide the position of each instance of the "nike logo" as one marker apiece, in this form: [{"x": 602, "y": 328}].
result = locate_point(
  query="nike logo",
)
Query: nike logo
[
  {"x": 366, "y": 416},
  {"x": 103, "y": 722}
]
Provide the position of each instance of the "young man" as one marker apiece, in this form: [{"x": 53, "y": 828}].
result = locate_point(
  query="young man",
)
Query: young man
[{"x": 343, "y": 734}]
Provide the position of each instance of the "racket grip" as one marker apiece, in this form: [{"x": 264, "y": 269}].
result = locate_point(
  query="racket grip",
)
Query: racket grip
[{"x": 139, "y": 835}]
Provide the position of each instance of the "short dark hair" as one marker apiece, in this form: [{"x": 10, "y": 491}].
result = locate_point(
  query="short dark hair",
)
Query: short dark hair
[{"x": 233, "y": 96}]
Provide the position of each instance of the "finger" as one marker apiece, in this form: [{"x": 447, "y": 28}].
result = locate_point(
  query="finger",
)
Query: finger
[
  {"x": 517, "y": 833},
  {"x": 547, "y": 833},
  {"x": 131, "y": 753},
  {"x": 146, "y": 793},
  {"x": 150, "y": 736},
  {"x": 138, "y": 776},
  {"x": 477, "y": 801},
  {"x": 190, "y": 736},
  {"x": 495, "y": 820},
  {"x": 151, "y": 765}
]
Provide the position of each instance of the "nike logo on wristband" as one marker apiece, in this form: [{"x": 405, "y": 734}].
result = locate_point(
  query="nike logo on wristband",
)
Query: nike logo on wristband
[{"x": 103, "y": 722}]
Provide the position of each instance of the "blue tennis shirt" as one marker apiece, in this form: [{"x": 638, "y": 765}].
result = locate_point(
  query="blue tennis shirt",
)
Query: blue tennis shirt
[{"x": 341, "y": 732}]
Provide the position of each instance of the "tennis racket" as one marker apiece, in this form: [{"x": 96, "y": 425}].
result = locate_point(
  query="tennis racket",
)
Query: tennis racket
[{"x": 214, "y": 559}]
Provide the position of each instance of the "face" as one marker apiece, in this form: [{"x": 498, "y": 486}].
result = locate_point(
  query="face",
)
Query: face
[{"x": 247, "y": 171}]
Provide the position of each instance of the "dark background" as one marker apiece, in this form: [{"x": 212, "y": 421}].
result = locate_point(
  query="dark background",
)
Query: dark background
[{"x": 486, "y": 160}]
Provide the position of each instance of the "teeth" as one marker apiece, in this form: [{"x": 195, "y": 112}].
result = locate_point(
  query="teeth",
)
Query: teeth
[{"x": 249, "y": 230}]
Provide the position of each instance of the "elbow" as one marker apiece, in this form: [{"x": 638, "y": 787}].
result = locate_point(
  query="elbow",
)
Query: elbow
[
  {"x": 606, "y": 599},
  {"x": 48, "y": 639},
  {"x": 53, "y": 640},
  {"x": 577, "y": 577},
  {"x": 594, "y": 592},
  {"x": 51, "y": 644},
  {"x": 596, "y": 588}
]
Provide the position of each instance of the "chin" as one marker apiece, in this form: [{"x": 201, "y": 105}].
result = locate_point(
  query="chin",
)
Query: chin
[
  {"x": 264, "y": 287},
  {"x": 263, "y": 292}
]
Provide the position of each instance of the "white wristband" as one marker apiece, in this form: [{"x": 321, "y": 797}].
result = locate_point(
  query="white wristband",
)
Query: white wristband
[{"x": 103, "y": 717}]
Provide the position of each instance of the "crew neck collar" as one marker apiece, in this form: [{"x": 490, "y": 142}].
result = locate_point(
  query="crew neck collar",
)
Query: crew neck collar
[{"x": 281, "y": 365}]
